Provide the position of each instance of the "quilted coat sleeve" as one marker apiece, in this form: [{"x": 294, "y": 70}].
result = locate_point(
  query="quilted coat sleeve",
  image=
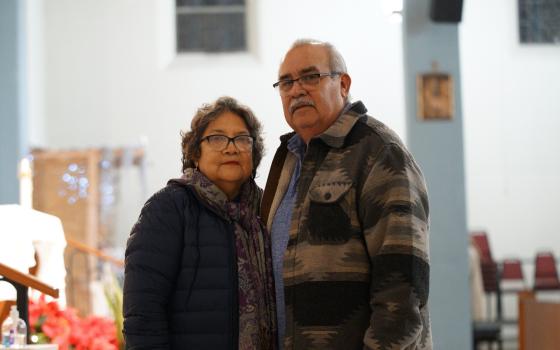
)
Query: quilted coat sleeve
[
  {"x": 152, "y": 261},
  {"x": 394, "y": 214}
]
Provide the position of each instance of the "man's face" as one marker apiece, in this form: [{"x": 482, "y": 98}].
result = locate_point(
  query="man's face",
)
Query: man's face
[{"x": 310, "y": 110}]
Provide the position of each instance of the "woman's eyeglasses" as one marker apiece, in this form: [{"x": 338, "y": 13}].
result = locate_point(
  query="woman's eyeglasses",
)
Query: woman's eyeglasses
[{"x": 243, "y": 143}]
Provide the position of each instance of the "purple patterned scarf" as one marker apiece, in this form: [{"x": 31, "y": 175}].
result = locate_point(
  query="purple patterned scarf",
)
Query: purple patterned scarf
[{"x": 257, "y": 305}]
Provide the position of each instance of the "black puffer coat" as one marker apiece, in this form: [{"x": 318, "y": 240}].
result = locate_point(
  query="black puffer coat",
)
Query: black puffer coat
[{"x": 180, "y": 289}]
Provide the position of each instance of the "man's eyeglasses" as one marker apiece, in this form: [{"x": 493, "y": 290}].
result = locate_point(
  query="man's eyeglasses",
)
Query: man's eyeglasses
[
  {"x": 243, "y": 143},
  {"x": 308, "y": 80}
]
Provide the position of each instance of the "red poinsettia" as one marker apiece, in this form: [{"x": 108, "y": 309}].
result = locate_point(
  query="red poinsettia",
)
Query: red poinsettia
[{"x": 64, "y": 327}]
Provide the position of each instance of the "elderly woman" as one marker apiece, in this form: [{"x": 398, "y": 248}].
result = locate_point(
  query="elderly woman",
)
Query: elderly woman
[{"x": 198, "y": 269}]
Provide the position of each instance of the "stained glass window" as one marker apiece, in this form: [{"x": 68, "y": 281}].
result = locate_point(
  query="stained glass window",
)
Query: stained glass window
[
  {"x": 539, "y": 21},
  {"x": 211, "y": 25}
]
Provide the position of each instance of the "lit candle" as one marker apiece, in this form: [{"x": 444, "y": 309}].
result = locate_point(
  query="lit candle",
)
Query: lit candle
[{"x": 25, "y": 184}]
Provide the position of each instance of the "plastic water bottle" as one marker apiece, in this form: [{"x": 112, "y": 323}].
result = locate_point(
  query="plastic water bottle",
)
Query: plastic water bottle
[{"x": 14, "y": 330}]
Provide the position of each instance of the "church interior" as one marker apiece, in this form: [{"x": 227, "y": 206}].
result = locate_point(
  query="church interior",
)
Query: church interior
[{"x": 94, "y": 95}]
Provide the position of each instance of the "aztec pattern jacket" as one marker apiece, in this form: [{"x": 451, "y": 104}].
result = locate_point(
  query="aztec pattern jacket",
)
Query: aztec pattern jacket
[{"x": 356, "y": 269}]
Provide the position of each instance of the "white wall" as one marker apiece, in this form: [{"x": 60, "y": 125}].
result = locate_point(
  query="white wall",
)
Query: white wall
[
  {"x": 511, "y": 99},
  {"x": 110, "y": 79}
]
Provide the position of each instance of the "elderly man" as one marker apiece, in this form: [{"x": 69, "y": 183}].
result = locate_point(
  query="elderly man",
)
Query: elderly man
[{"x": 348, "y": 211}]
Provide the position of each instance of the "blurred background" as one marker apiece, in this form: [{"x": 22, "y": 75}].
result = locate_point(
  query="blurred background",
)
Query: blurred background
[{"x": 93, "y": 95}]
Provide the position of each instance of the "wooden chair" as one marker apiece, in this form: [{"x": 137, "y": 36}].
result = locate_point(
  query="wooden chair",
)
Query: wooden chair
[
  {"x": 490, "y": 272},
  {"x": 546, "y": 275},
  {"x": 511, "y": 270},
  {"x": 488, "y": 331},
  {"x": 512, "y": 281},
  {"x": 481, "y": 240}
]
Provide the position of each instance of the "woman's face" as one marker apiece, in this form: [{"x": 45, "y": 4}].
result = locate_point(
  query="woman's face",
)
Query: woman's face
[{"x": 231, "y": 166}]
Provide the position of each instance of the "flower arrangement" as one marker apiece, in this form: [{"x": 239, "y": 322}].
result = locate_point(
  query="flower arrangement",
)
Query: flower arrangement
[{"x": 51, "y": 324}]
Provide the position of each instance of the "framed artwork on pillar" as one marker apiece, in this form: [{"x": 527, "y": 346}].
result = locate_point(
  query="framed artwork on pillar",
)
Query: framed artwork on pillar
[{"x": 434, "y": 93}]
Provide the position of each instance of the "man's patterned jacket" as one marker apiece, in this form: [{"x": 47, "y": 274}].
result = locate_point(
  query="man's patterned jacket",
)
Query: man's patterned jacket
[{"x": 356, "y": 269}]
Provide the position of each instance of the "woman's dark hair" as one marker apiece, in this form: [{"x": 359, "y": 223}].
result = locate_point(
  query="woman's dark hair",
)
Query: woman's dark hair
[{"x": 206, "y": 114}]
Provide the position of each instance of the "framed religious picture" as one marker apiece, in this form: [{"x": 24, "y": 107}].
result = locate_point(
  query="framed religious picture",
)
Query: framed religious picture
[{"x": 435, "y": 96}]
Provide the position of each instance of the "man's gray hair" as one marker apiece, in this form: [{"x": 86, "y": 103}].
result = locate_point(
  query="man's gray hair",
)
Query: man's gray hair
[{"x": 336, "y": 61}]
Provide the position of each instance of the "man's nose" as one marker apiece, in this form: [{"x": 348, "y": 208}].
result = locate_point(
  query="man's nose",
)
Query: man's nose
[{"x": 297, "y": 89}]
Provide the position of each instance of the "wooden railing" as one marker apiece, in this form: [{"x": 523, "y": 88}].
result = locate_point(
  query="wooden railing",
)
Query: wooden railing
[
  {"x": 84, "y": 248},
  {"x": 27, "y": 280},
  {"x": 22, "y": 282},
  {"x": 75, "y": 252}
]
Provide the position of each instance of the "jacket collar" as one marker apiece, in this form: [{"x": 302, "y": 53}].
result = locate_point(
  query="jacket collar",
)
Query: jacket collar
[{"x": 335, "y": 135}]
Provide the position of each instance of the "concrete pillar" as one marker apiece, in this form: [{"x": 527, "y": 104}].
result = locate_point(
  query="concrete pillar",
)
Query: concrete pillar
[
  {"x": 438, "y": 148},
  {"x": 11, "y": 97}
]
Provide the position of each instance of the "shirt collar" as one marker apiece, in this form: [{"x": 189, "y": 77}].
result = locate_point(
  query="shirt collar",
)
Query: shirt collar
[{"x": 297, "y": 146}]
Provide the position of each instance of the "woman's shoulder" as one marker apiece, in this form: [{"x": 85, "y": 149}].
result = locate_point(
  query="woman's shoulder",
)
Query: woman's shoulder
[{"x": 172, "y": 196}]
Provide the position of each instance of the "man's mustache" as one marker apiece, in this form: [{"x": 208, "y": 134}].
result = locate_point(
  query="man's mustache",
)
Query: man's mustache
[{"x": 295, "y": 104}]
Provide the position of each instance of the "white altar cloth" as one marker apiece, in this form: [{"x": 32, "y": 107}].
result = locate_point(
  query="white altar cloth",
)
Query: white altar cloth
[{"x": 22, "y": 231}]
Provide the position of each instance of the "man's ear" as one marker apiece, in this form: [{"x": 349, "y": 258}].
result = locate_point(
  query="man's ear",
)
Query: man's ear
[{"x": 345, "y": 82}]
